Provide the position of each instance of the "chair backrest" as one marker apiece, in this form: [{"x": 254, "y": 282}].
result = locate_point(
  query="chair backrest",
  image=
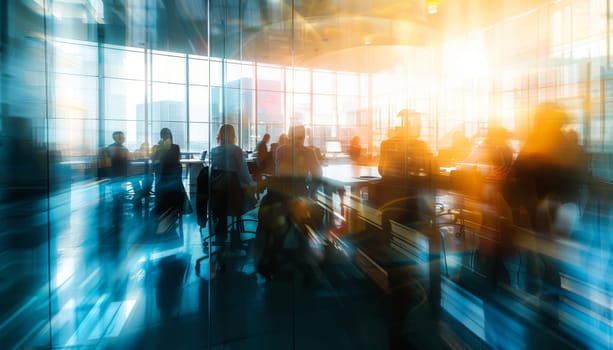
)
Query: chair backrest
[
  {"x": 227, "y": 197},
  {"x": 202, "y": 196}
]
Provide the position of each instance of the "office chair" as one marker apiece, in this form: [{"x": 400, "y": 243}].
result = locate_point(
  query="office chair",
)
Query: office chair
[{"x": 220, "y": 198}]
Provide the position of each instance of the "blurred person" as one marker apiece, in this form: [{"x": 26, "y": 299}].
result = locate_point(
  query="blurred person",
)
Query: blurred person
[
  {"x": 170, "y": 194},
  {"x": 460, "y": 145},
  {"x": 458, "y": 151},
  {"x": 143, "y": 151},
  {"x": 288, "y": 208},
  {"x": 493, "y": 159},
  {"x": 283, "y": 139},
  {"x": 295, "y": 161},
  {"x": 544, "y": 187},
  {"x": 142, "y": 185},
  {"x": 405, "y": 165},
  {"x": 403, "y": 196},
  {"x": 263, "y": 157},
  {"x": 355, "y": 149},
  {"x": 404, "y": 154},
  {"x": 228, "y": 157},
  {"x": 118, "y": 171},
  {"x": 549, "y": 168}
]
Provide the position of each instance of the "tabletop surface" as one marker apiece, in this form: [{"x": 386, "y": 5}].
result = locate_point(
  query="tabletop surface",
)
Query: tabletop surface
[{"x": 348, "y": 174}]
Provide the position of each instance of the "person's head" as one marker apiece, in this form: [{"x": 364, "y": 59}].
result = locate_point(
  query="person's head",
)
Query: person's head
[
  {"x": 550, "y": 116},
  {"x": 297, "y": 134},
  {"x": 266, "y": 138},
  {"x": 355, "y": 141},
  {"x": 166, "y": 135},
  {"x": 226, "y": 135},
  {"x": 498, "y": 134},
  {"x": 283, "y": 139},
  {"x": 573, "y": 136},
  {"x": 119, "y": 137},
  {"x": 411, "y": 123}
]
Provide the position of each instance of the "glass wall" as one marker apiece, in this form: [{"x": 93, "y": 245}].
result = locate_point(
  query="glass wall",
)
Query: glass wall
[{"x": 74, "y": 72}]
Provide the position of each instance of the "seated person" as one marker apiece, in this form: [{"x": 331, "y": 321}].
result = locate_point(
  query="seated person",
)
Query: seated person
[
  {"x": 355, "y": 150},
  {"x": 169, "y": 191},
  {"x": 263, "y": 156},
  {"x": 405, "y": 166},
  {"x": 228, "y": 157},
  {"x": 458, "y": 151},
  {"x": 403, "y": 155},
  {"x": 298, "y": 163}
]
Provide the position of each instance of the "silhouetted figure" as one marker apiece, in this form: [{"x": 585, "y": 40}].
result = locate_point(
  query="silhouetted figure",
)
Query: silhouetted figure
[
  {"x": 355, "y": 149},
  {"x": 492, "y": 160},
  {"x": 228, "y": 157},
  {"x": 405, "y": 166},
  {"x": 403, "y": 155},
  {"x": 546, "y": 176},
  {"x": 264, "y": 160},
  {"x": 548, "y": 167},
  {"x": 299, "y": 163},
  {"x": 143, "y": 184},
  {"x": 287, "y": 209},
  {"x": 170, "y": 194},
  {"x": 118, "y": 171},
  {"x": 283, "y": 139}
]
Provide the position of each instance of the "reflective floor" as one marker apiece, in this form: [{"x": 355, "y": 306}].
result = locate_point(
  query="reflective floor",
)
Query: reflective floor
[
  {"x": 103, "y": 283},
  {"x": 114, "y": 284}
]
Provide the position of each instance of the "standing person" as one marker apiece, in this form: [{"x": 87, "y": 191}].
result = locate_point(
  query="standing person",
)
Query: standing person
[
  {"x": 545, "y": 178},
  {"x": 263, "y": 159},
  {"x": 169, "y": 191},
  {"x": 118, "y": 172},
  {"x": 228, "y": 157},
  {"x": 119, "y": 155}
]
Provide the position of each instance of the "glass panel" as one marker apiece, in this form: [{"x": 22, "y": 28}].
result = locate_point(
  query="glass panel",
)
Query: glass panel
[
  {"x": 199, "y": 137},
  {"x": 269, "y": 77},
  {"x": 347, "y": 110},
  {"x": 198, "y": 71},
  {"x": 198, "y": 104},
  {"x": 324, "y": 110},
  {"x": 298, "y": 109},
  {"x": 215, "y": 72},
  {"x": 168, "y": 108},
  {"x": 168, "y": 68},
  {"x": 270, "y": 107},
  {"x": 239, "y": 75},
  {"x": 128, "y": 64},
  {"x": 76, "y": 58},
  {"x": 324, "y": 82},
  {"x": 76, "y": 96},
  {"x": 348, "y": 84},
  {"x": 298, "y": 80},
  {"x": 124, "y": 99}
]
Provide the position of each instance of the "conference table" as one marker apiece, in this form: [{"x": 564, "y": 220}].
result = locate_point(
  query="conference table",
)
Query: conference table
[{"x": 351, "y": 177}]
